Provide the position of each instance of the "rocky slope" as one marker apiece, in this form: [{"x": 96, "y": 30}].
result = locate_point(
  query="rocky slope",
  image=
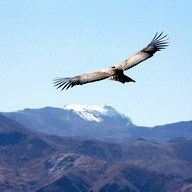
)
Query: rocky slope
[{"x": 32, "y": 161}]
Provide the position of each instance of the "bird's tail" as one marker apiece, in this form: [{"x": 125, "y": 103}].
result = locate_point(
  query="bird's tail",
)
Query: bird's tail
[{"x": 121, "y": 78}]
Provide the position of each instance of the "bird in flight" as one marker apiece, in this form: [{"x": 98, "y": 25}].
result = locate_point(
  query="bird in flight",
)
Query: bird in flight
[{"x": 116, "y": 72}]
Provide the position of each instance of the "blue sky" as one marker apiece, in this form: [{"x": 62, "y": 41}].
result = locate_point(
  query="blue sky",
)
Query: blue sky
[{"x": 41, "y": 40}]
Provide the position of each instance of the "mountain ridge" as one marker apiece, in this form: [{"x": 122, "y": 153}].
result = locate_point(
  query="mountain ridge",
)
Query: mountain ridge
[{"x": 98, "y": 121}]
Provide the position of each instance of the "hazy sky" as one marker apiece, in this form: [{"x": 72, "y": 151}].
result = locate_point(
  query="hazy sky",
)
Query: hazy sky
[{"x": 44, "y": 39}]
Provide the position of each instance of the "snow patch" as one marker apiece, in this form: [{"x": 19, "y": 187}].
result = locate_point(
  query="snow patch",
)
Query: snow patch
[
  {"x": 99, "y": 108},
  {"x": 92, "y": 112},
  {"x": 89, "y": 117}
]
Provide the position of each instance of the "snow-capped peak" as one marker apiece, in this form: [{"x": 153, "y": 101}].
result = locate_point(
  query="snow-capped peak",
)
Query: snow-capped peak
[{"x": 92, "y": 112}]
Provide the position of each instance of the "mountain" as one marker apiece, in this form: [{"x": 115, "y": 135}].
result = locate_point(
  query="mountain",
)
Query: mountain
[
  {"x": 33, "y": 161},
  {"x": 75, "y": 120},
  {"x": 174, "y": 130},
  {"x": 98, "y": 121}
]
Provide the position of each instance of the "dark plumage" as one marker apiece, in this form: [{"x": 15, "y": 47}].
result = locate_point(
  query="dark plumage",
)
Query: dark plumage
[{"x": 158, "y": 43}]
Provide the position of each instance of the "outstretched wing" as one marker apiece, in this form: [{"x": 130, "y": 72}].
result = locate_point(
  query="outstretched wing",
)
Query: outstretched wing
[
  {"x": 116, "y": 72},
  {"x": 158, "y": 42},
  {"x": 65, "y": 83}
]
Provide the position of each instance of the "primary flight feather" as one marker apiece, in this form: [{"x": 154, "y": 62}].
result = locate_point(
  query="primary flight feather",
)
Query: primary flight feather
[{"x": 116, "y": 72}]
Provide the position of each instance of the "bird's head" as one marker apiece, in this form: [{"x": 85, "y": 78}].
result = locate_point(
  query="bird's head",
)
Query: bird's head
[{"x": 112, "y": 69}]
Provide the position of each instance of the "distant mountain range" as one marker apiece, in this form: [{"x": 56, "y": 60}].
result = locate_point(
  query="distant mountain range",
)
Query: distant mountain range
[
  {"x": 34, "y": 161},
  {"x": 98, "y": 121}
]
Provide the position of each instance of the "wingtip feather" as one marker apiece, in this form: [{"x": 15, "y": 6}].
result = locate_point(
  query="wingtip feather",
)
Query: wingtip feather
[
  {"x": 159, "y": 41},
  {"x": 66, "y": 83}
]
